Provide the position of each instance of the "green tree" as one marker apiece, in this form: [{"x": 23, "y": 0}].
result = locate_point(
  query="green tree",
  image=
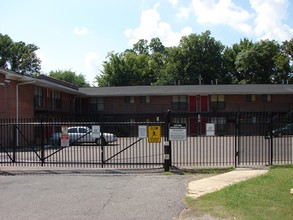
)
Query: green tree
[
  {"x": 18, "y": 56},
  {"x": 114, "y": 71},
  {"x": 201, "y": 58},
  {"x": 156, "y": 46},
  {"x": 231, "y": 75},
  {"x": 70, "y": 77},
  {"x": 141, "y": 47},
  {"x": 171, "y": 69},
  {"x": 287, "y": 47},
  {"x": 5, "y": 50},
  {"x": 262, "y": 63},
  {"x": 136, "y": 66}
]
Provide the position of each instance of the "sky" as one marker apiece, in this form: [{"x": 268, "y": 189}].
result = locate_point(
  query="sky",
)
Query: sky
[{"x": 78, "y": 35}]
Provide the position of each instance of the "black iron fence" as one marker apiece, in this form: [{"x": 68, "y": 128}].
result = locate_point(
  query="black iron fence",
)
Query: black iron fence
[{"x": 212, "y": 139}]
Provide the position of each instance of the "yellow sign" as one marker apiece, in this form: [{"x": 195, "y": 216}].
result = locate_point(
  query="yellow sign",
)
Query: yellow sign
[{"x": 154, "y": 134}]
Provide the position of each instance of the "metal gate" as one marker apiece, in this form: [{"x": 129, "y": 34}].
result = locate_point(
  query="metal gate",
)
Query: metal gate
[
  {"x": 258, "y": 144},
  {"x": 240, "y": 139},
  {"x": 30, "y": 142}
]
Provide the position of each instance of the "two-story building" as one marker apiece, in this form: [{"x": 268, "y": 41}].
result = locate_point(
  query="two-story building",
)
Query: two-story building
[
  {"x": 24, "y": 96},
  {"x": 189, "y": 98}
]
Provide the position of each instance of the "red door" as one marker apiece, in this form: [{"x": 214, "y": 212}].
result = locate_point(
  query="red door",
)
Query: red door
[
  {"x": 192, "y": 103},
  {"x": 204, "y": 103}
]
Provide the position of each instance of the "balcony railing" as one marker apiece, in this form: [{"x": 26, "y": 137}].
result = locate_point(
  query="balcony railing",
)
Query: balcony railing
[{"x": 45, "y": 104}]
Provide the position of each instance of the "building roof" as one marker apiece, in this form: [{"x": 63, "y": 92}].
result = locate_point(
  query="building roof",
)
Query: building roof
[
  {"x": 42, "y": 81},
  {"x": 188, "y": 90},
  {"x": 243, "y": 89}
]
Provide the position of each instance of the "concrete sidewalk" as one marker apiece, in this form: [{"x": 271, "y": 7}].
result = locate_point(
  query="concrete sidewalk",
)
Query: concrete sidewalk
[{"x": 211, "y": 184}]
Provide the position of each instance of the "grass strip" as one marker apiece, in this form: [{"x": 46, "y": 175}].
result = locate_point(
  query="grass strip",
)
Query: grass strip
[{"x": 264, "y": 197}]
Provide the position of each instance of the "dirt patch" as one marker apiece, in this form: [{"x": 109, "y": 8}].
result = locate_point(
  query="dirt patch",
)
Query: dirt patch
[{"x": 188, "y": 214}]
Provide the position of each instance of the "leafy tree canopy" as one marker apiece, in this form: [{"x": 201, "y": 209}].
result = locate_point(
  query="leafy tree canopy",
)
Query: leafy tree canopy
[
  {"x": 199, "y": 59},
  {"x": 18, "y": 56},
  {"x": 70, "y": 77}
]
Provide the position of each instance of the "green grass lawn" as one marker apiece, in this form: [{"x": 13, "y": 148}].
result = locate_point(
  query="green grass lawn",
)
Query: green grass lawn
[{"x": 265, "y": 197}]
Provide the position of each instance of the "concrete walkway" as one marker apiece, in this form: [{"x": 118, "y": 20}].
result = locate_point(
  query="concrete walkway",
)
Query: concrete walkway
[{"x": 211, "y": 184}]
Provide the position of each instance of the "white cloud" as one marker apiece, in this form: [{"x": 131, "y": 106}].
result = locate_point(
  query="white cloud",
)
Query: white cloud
[
  {"x": 222, "y": 12},
  {"x": 264, "y": 22},
  {"x": 173, "y": 2},
  {"x": 151, "y": 26},
  {"x": 269, "y": 19},
  {"x": 80, "y": 31},
  {"x": 183, "y": 12},
  {"x": 92, "y": 61}
]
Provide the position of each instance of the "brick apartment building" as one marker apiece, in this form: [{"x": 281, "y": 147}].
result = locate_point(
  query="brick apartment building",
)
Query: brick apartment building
[{"x": 26, "y": 97}]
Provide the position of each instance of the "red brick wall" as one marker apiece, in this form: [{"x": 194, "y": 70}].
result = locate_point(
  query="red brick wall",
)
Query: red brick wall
[
  {"x": 118, "y": 105},
  {"x": 26, "y": 101},
  {"x": 233, "y": 103},
  {"x": 8, "y": 100},
  {"x": 240, "y": 103}
]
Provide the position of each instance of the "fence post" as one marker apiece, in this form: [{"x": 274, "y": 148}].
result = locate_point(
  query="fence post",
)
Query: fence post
[
  {"x": 101, "y": 142},
  {"x": 237, "y": 143},
  {"x": 167, "y": 145},
  {"x": 42, "y": 141},
  {"x": 15, "y": 143},
  {"x": 271, "y": 137}
]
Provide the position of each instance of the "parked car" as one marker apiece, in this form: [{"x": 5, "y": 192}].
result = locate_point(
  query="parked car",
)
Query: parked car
[
  {"x": 286, "y": 130},
  {"x": 81, "y": 134}
]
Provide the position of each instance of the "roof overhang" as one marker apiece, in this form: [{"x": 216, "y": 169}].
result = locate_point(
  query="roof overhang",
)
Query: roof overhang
[
  {"x": 253, "y": 89},
  {"x": 21, "y": 78}
]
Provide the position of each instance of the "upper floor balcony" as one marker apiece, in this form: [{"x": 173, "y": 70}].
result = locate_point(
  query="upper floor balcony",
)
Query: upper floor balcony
[{"x": 45, "y": 104}]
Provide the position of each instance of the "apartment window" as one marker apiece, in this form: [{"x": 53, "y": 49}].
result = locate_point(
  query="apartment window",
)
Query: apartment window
[
  {"x": 266, "y": 98},
  {"x": 217, "y": 102},
  {"x": 57, "y": 99},
  {"x": 145, "y": 99},
  {"x": 129, "y": 99},
  {"x": 251, "y": 98},
  {"x": 179, "y": 102},
  {"x": 97, "y": 104},
  {"x": 38, "y": 96},
  {"x": 219, "y": 121}
]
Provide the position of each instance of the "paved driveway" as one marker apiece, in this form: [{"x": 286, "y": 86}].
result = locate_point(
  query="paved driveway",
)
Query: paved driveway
[{"x": 89, "y": 196}]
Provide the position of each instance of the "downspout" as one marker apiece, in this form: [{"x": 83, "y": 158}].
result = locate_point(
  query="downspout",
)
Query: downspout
[{"x": 17, "y": 111}]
